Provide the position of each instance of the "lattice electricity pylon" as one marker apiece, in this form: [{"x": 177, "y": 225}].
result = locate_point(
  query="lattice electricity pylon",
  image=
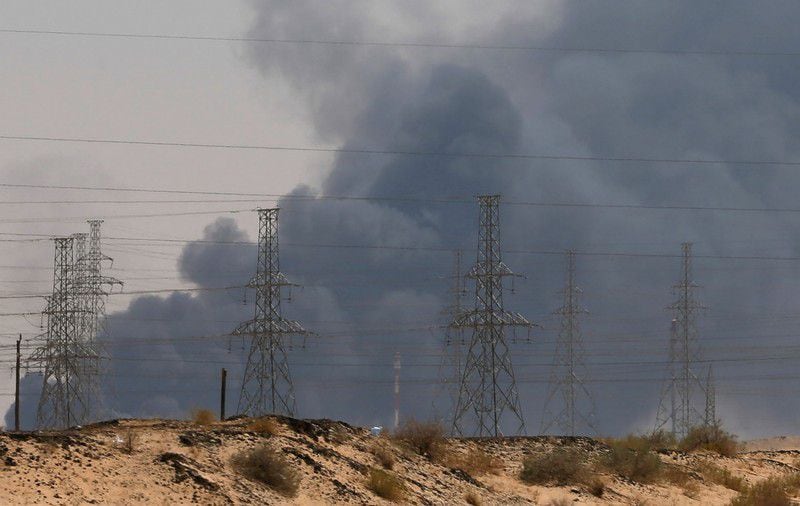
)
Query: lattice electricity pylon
[
  {"x": 62, "y": 402},
  {"x": 452, "y": 349},
  {"x": 488, "y": 390},
  {"x": 98, "y": 286},
  {"x": 93, "y": 287},
  {"x": 69, "y": 355},
  {"x": 569, "y": 376},
  {"x": 683, "y": 385},
  {"x": 267, "y": 383}
]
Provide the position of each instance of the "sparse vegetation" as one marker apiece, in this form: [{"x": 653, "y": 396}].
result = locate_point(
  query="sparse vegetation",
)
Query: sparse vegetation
[
  {"x": 264, "y": 426},
  {"x": 770, "y": 492},
  {"x": 633, "y": 458},
  {"x": 425, "y": 438},
  {"x": 475, "y": 462},
  {"x": 384, "y": 456},
  {"x": 473, "y": 499},
  {"x": 710, "y": 438},
  {"x": 563, "y": 466},
  {"x": 129, "y": 441},
  {"x": 676, "y": 475},
  {"x": 660, "y": 440},
  {"x": 386, "y": 485},
  {"x": 596, "y": 487},
  {"x": 267, "y": 466},
  {"x": 724, "y": 477},
  {"x": 203, "y": 416}
]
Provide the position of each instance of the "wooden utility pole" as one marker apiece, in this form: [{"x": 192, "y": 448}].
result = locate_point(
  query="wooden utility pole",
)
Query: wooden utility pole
[
  {"x": 16, "y": 390},
  {"x": 222, "y": 395}
]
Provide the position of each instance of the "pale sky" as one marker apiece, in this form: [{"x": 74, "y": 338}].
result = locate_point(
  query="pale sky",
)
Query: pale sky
[{"x": 194, "y": 91}]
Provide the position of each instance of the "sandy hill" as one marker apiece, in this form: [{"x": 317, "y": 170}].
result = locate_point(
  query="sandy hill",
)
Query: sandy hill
[{"x": 179, "y": 462}]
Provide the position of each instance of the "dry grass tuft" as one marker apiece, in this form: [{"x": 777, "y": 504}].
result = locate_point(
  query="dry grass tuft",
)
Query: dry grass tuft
[
  {"x": 722, "y": 476},
  {"x": 596, "y": 487},
  {"x": 562, "y": 466},
  {"x": 710, "y": 438},
  {"x": 264, "y": 426},
  {"x": 130, "y": 441},
  {"x": 386, "y": 485},
  {"x": 473, "y": 499},
  {"x": 475, "y": 462},
  {"x": 384, "y": 456},
  {"x": 770, "y": 492},
  {"x": 425, "y": 438},
  {"x": 676, "y": 475},
  {"x": 269, "y": 467},
  {"x": 203, "y": 416},
  {"x": 632, "y": 458}
]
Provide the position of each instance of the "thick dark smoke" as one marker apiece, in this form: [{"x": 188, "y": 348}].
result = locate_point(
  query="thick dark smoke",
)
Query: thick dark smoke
[
  {"x": 367, "y": 303},
  {"x": 587, "y": 104}
]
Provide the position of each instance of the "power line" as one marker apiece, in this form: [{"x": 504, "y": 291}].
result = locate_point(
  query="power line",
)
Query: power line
[
  {"x": 380, "y": 198},
  {"x": 402, "y": 152},
  {"x": 404, "y": 44}
]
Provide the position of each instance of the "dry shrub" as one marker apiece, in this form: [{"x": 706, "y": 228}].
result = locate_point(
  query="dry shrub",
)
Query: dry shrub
[
  {"x": 660, "y": 440},
  {"x": 676, "y": 475},
  {"x": 269, "y": 467},
  {"x": 203, "y": 416},
  {"x": 473, "y": 499},
  {"x": 633, "y": 459},
  {"x": 425, "y": 438},
  {"x": 724, "y": 477},
  {"x": 710, "y": 438},
  {"x": 386, "y": 485},
  {"x": 770, "y": 492},
  {"x": 130, "y": 441},
  {"x": 337, "y": 434},
  {"x": 596, "y": 487},
  {"x": 475, "y": 462},
  {"x": 562, "y": 466},
  {"x": 384, "y": 456},
  {"x": 264, "y": 426}
]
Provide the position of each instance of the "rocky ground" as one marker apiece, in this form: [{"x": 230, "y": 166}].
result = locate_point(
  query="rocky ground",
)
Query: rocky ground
[{"x": 178, "y": 462}]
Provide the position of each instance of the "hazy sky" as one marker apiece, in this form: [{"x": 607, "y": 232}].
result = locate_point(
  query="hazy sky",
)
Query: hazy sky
[{"x": 614, "y": 101}]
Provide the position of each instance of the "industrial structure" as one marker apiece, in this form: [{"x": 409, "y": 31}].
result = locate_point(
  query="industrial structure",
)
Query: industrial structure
[
  {"x": 678, "y": 410},
  {"x": 569, "y": 405},
  {"x": 488, "y": 399},
  {"x": 69, "y": 355},
  {"x": 267, "y": 383}
]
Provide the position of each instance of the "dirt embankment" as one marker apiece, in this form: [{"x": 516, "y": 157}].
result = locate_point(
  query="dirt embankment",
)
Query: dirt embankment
[{"x": 173, "y": 462}]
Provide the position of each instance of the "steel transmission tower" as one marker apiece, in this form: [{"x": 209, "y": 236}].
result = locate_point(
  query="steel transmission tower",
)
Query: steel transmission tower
[
  {"x": 677, "y": 407},
  {"x": 267, "y": 384},
  {"x": 488, "y": 392},
  {"x": 452, "y": 353},
  {"x": 61, "y": 403},
  {"x": 576, "y": 409},
  {"x": 69, "y": 356}
]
